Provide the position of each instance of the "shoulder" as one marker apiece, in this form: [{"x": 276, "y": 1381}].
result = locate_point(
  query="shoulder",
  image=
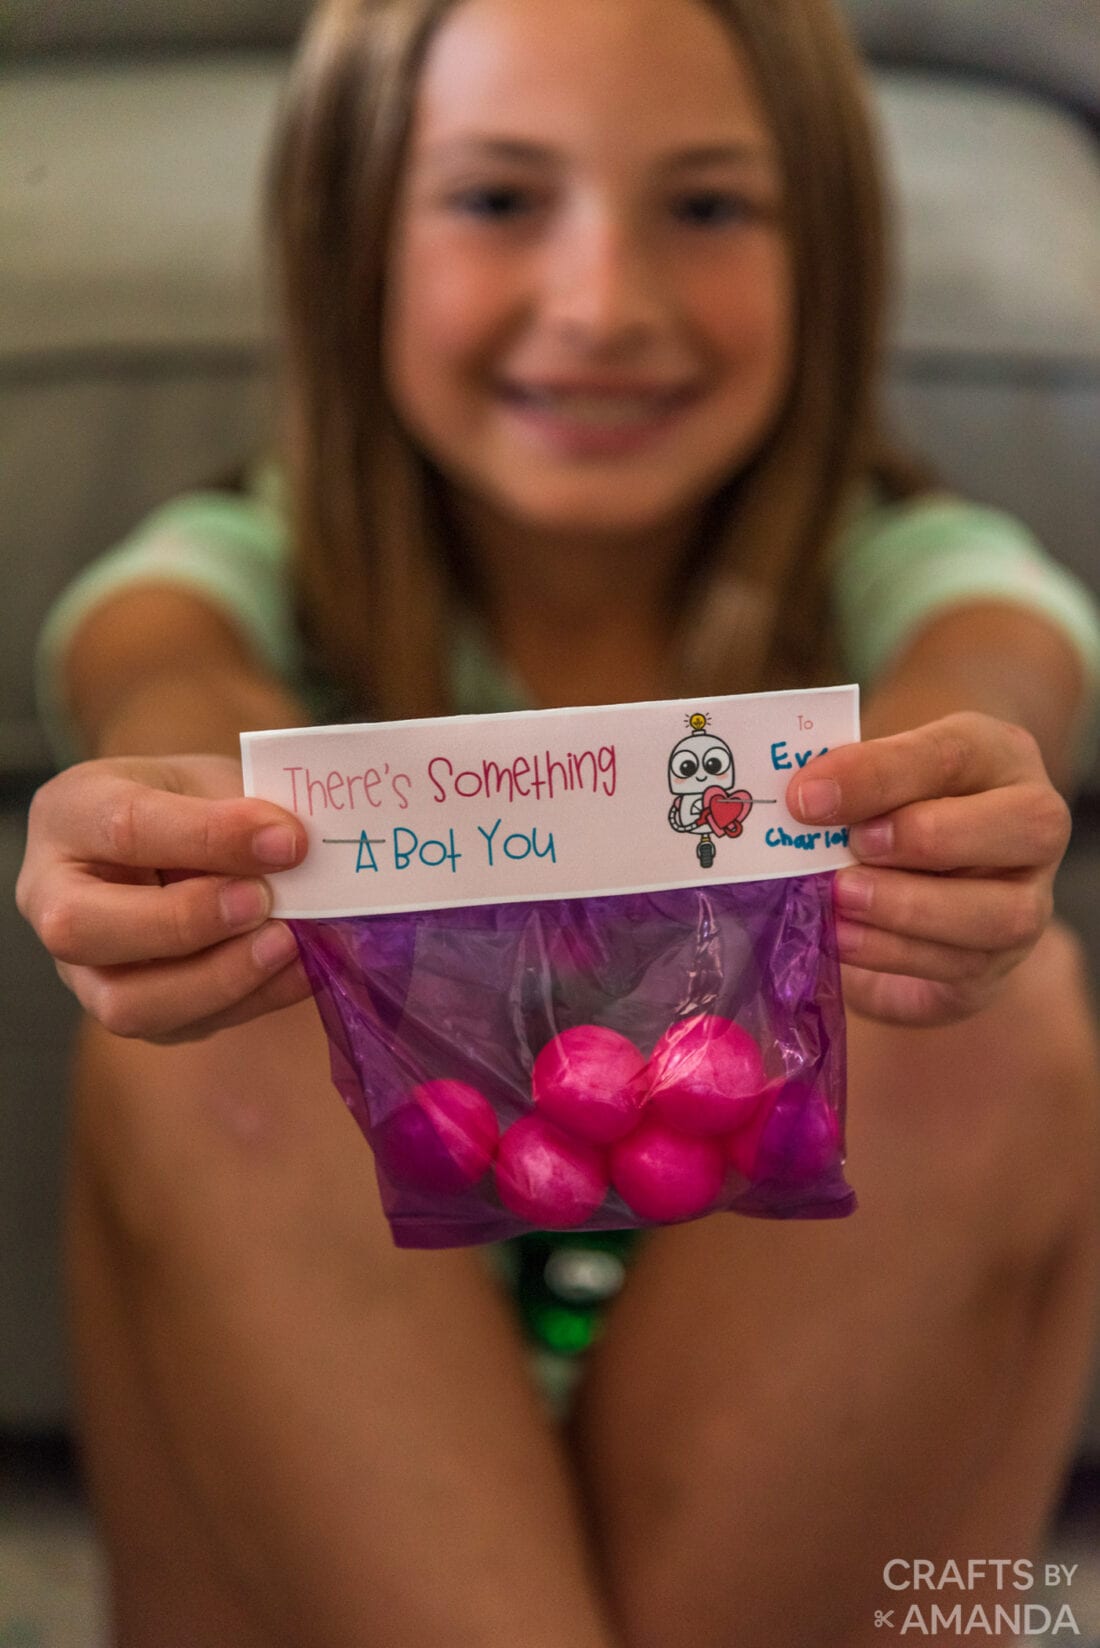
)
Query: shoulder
[{"x": 928, "y": 523}]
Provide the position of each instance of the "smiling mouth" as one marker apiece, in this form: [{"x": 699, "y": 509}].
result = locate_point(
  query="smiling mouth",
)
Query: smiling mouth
[{"x": 591, "y": 409}]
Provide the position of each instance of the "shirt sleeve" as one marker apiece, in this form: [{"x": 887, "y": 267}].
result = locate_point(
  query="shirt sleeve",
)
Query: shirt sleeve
[
  {"x": 900, "y": 564},
  {"x": 232, "y": 548}
]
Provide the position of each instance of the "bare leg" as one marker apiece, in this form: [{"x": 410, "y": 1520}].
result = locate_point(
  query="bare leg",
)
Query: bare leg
[
  {"x": 165, "y": 1583},
  {"x": 298, "y": 1433},
  {"x": 778, "y": 1410}
]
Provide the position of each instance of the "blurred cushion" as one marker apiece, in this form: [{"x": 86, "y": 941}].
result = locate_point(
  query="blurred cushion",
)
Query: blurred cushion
[
  {"x": 73, "y": 25},
  {"x": 129, "y": 199},
  {"x": 1051, "y": 46},
  {"x": 998, "y": 223}
]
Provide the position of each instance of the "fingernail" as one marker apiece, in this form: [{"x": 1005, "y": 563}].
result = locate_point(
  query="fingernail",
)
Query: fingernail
[
  {"x": 872, "y": 840},
  {"x": 273, "y": 946},
  {"x": 274, "y": 844},
  {"x": 244, "y": 903},
  {"x": 849, "y": 938},
  {"x": 852, "y": 891},
  {"x": 818, "y": 798}
]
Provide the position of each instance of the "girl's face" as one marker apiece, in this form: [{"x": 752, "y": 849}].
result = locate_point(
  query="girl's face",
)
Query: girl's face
[{"x": 589, "y": 307}]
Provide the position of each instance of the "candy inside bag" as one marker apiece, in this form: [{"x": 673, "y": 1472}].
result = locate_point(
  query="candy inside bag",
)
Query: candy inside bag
[{"x": 592, "y": 1064}]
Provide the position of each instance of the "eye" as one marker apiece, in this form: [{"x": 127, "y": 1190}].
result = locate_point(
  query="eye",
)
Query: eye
[
  {"x": 686, "y": 766},
  {"x": 715, "y": 762},
  {"x": 496, "y": 202},
  {"x": 713, "y": 209}
]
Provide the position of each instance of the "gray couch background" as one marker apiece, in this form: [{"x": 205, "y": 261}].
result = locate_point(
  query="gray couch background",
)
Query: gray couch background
[{"x": 132, "y": 365}]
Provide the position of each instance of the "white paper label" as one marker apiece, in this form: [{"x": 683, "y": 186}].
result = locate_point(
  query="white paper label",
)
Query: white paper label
[{"x": 490, "y": 809}]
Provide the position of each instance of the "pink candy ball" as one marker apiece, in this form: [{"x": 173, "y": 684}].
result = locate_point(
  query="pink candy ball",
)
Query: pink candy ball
[
  {"x": 664, "y": 1175},
  {"x": 706, "y": 1075},
  {"x": 741, "y": 1146},
  {"x": 551, "y": 1180},
  {"x": 440, "y": 1140},
  {"x": 591, "y": 1081},
  {"x": 795, "y": 1140}
]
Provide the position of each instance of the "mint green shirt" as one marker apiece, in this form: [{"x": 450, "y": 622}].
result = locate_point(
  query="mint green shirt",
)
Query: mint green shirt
[{"x": 895, "y": 566}]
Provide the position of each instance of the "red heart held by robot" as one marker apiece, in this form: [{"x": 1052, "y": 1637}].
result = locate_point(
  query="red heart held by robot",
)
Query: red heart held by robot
[{"x": 724, "y": 809}]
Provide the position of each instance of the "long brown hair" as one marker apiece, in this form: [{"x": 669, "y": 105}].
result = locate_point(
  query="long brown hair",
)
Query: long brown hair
[{"x": 374, "y": 576}]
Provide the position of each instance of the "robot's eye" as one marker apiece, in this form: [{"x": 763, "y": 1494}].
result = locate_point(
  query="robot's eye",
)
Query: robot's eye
[
  {"x": 715, "y": 762},
  {"x": 686, "y": 766}
]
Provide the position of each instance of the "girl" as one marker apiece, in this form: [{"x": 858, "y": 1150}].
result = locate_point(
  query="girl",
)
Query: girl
[{"x": 581, "y": 316}]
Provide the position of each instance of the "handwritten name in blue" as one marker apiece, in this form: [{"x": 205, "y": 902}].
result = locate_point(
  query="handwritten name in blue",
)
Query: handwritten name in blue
[{"x": 807, "y": 840}]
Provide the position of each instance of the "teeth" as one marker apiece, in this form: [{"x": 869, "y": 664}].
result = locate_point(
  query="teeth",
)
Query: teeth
[{"x": 601, "y": 411}]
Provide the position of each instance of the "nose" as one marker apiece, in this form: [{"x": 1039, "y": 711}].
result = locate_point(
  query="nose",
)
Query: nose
[{"x": 600, "y": 289}]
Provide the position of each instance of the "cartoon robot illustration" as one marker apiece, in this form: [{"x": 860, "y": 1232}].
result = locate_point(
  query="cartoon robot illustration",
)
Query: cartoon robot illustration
[{"x": 704, "y": 801}]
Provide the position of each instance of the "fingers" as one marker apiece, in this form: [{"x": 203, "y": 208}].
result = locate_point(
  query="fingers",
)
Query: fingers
[
  {"x": 100, "y": 923},
  {"x": 129, "y": 823},
  {"x": 899, "y": 999},
  {"x": 286, "y": 989},
  {"x": 143, "y": 879},
  {"x": 980, "y": 915},
  {"x": 967, "y": 794},
  {"x": 883, "y": 951},
  {"x": 1018, "y": 828},
  {"x": 168, "y": 1000},
  {"x": 967, "y": 791},
  {"x": 951, "y": 930},
  {"x": 956, "y": 756},
  {"x": 102, "y": 881}
]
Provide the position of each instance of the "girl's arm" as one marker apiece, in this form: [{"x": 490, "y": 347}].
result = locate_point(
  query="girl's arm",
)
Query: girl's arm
[
  {"x": 994, "y": 657},
  {"x": 953, "y": 812},
  {"x": 143, "y": 873},
  {"x": 157, "y": 670}
]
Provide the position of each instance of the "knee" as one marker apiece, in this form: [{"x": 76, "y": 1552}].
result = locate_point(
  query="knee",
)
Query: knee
[
  {"x": 1066, "y": 1008},
  {"x": 987, "y": 1132},
  {"x": 1059, "y": 1055},
  {"x": 171, "y": 1136}
]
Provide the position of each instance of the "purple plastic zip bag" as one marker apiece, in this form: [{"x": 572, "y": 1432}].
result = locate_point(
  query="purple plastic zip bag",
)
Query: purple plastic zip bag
[{"x": 594, "y": 1063}]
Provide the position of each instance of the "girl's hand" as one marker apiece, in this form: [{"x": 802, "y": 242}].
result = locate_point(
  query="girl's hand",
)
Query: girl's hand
[
  {"x": 142, "y": 879},
  {"x": 959, "y": 832}
]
